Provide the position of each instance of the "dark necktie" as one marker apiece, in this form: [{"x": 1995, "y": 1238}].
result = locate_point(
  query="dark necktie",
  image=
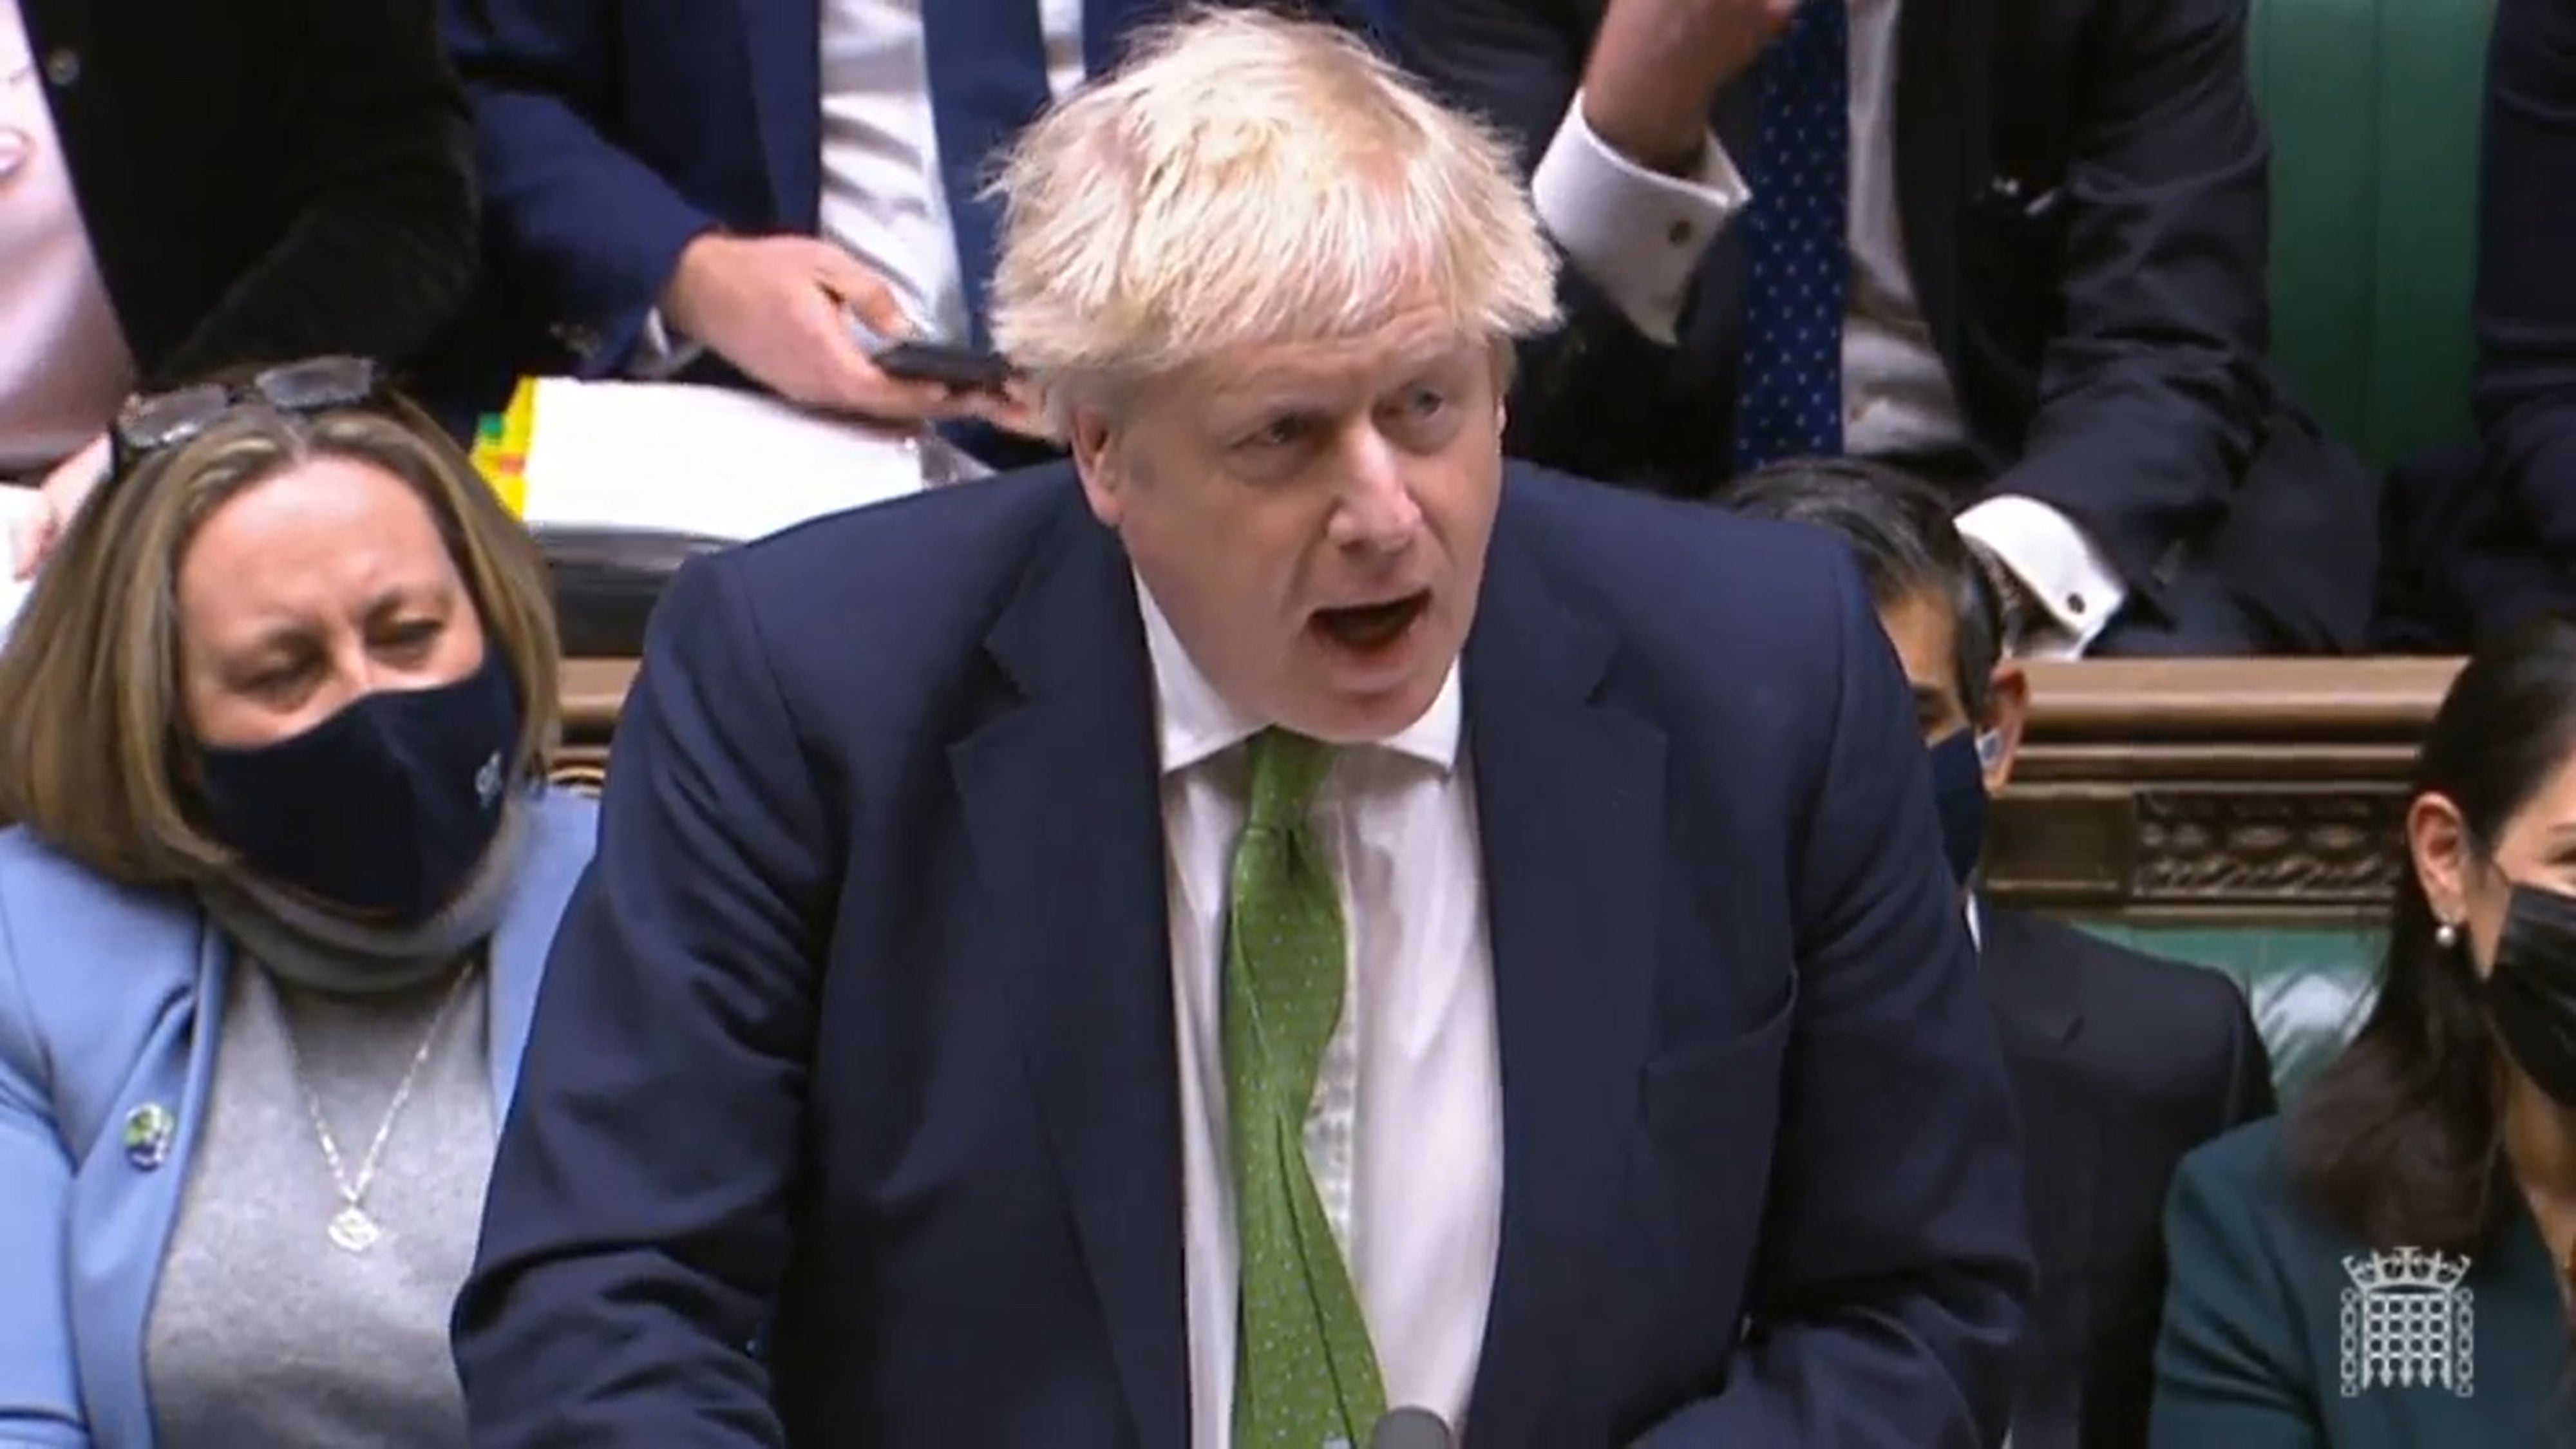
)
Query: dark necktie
[
  {"x": 1377, "y": 18},
  {"x": 1798, "y": 255},
  {"x": 988, "y": 78}
]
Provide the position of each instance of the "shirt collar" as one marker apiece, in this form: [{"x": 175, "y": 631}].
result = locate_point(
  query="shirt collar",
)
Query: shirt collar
[{"x": 1194, "y": 722}]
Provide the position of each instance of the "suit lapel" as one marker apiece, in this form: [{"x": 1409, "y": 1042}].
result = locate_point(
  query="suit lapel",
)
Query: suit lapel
[
  {"x": 1940, "y": 103},
  {"x": 2029, "y": 984},
  {"x": 2032, "y": 994},
  {"x": 1063, "y": 814},
  {"x": 1569, "y": 803},
  {"x": 782, "y": 48}
]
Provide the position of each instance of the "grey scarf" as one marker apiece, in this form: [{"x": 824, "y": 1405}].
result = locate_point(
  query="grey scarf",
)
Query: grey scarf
[{"x": 315, "y": 947}]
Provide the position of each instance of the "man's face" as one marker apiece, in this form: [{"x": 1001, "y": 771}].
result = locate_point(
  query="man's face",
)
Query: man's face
[
  {"x": 1312, "y": 518},
  {"x": 1926, "y": 635}
]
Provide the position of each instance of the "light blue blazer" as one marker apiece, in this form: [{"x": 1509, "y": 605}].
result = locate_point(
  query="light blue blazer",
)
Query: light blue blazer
[{"x": 109, "y": 1013}]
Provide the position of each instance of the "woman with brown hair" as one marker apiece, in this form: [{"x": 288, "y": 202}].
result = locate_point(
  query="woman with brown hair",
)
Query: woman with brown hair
[
  {"x": 271, "y": 921},
  {"x": 2386, "y": 1266}
]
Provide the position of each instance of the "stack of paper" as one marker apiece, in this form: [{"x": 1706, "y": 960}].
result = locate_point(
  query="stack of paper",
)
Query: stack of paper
[{"x": 680, "y": 458}]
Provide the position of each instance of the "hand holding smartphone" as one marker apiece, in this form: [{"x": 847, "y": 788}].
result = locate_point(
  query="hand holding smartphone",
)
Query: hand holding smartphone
[
  {"x": 964, "y": 368},
  {"x": 967, "y": 369}
]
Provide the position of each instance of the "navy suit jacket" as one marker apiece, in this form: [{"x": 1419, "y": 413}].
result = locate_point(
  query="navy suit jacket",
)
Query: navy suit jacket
[
  {"x": 2082, "y": 190},
  {"x": 610, "y": 133},
  {"x": 851, "y": 1111},
  {"x": 2120, "y": 1064},
  {"x": 2481, "y": 537}
]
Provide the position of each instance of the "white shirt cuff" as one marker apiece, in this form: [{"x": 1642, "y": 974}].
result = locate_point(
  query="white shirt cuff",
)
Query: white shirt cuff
[
  {"x": 659, "y": 352},
  {"x": 1634, "y": 233},
  {"x": 2068, "y": 575}
]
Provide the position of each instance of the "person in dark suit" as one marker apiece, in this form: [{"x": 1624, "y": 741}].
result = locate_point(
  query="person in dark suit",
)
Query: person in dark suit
[
  {"x": 2018, "y": 245},
  {"x": 1367, "y": 926},
  {"x": 202, "y": 187},
  {"x": 2121, "y": 1063},
  {"x": 715, "y": 192},
  {"x": 2487, "y": 533},
  {"x": 2385, "y": 1267}
]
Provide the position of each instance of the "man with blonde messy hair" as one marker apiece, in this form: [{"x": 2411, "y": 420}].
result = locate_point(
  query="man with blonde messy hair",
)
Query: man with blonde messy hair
[{"x": 1284, "y": 918}]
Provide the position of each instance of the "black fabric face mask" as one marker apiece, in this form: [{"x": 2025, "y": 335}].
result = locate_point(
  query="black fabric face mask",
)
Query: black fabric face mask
[
  {"x": 1959, "y": 794},
  {"x": 2531, "y": 993},
  {"x": 385, "y": 808}
]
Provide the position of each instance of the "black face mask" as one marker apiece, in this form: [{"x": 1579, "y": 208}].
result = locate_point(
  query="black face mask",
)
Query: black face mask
[
  {"x": 383, "y": 809},
  {"x": 1959, "y": 794},
  {"x": 2531, "y": 993}
]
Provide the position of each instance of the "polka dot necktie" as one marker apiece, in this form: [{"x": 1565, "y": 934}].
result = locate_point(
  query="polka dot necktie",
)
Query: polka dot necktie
[
  {"x": 1799, "y": 257},
  {"x": 1304, "y": 1371}
]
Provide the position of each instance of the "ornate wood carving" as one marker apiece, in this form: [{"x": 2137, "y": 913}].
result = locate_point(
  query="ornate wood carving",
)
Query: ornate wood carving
[
  {"x": 2216, "y": 789},
  {"x": 2250, "y": 845}
]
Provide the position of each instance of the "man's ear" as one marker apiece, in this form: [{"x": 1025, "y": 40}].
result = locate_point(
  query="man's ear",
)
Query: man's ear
[
  {"x": 1089, "y": 438},
  {"x": 2007, "y": 715}
]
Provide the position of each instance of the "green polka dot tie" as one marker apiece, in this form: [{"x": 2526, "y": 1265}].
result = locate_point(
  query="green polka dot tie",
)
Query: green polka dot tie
[{"x": 1304, "y": 1374}]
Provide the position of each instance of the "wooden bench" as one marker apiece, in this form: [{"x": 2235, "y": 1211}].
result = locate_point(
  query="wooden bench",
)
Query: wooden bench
[{"x": 2219, "y": 791}]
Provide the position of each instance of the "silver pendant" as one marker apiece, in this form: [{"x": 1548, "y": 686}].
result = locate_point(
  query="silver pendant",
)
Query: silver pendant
[{"x": 352, "y": 1231}]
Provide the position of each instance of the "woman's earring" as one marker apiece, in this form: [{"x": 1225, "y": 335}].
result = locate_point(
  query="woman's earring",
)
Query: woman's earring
[{"x": 2446, "y": 935}]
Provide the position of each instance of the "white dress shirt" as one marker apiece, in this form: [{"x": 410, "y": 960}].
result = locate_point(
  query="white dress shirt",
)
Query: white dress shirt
[
  {"x": 884, "y": 199},
  {"x": 1638, "y": 236},
  {"x": 1405, "y": 1136}
]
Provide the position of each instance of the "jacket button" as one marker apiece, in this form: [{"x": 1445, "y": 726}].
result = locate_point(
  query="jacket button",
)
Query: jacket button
[{"x": 63, "y": 68}]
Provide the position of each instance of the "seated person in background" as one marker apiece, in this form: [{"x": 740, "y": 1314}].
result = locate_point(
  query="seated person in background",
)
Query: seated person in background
[
  {"x": 2033, "y": 269},
  {"x": 2121, "y": 1063},
  {"x": 670, "y": 179},
  {"x": 1084, "y": 960},
  {"x": 271, "y": 921},
  {"x": 206, "y": 186},
  {"x": 2382, "y": 1268},
  {"x": 2500, "y": 543}
]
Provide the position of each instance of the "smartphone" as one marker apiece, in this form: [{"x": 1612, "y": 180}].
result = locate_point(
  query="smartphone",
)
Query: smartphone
[{"x": 960, "y": 367}]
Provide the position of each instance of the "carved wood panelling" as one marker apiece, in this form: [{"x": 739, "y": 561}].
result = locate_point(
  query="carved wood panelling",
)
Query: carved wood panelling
[{"x": 2206, "y": 789}]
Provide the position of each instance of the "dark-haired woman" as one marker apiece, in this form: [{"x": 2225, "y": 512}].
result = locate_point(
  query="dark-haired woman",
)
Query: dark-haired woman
[{"x": 2389, "y": 1264}]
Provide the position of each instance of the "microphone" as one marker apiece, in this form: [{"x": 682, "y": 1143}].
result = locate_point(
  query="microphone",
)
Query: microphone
[{"x": 1411, "y": 1429}]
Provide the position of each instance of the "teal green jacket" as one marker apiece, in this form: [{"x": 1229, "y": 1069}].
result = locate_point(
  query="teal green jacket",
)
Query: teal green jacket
[{"x": 2282, "y": 1333}]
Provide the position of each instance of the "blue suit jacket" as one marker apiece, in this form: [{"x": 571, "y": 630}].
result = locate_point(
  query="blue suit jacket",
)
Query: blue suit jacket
[
  {"x": 858, "y": 1039},
  {"x": 612, "y": 132},
  {"x": 111, "y": 1001}
]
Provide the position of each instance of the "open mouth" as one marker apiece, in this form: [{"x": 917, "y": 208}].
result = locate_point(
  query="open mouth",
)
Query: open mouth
[{"x": 1370, "y": 627}]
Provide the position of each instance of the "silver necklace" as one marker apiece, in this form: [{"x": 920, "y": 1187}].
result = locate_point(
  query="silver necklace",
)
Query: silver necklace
[{"x": 352, "y": 1228}]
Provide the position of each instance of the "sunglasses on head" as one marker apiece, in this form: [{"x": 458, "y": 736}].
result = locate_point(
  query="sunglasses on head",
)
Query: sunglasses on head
[{"x": 150, "y": 424}]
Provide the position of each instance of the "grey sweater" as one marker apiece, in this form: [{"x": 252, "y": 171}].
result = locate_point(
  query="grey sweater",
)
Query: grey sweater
[{"x": 262, "y": 1331}]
